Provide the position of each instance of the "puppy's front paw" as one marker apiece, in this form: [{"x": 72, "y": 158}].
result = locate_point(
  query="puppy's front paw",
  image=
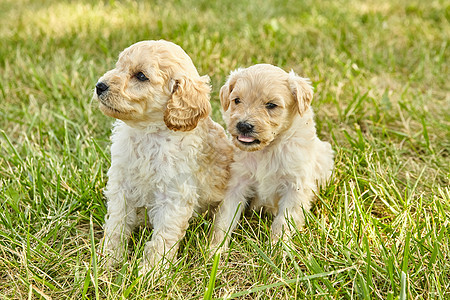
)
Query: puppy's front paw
[
  {"x": 108, "y": 262},
  {"x": 219, "y": 243},
  {"x": 280, "y": 230},
  {"x": 153, "y": 256},
  {"x": 110, "y": 257},
  {"x": 153, "y": 265},
  {"x": 217, "y": 249},
  {"x": 144, "y": 267}
]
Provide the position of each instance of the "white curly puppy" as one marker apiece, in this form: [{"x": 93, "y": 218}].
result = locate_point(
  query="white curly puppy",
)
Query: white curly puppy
[
  {"x": 167, "y": 155},
  {"x": 278, "y": 160}
]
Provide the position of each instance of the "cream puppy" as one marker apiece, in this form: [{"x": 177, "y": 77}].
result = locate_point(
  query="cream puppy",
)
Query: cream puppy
[
  {"x": 278, "y": 160},
  {"x": 168, "y": 157}
]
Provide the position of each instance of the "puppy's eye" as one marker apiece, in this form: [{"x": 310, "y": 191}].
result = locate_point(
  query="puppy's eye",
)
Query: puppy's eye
[
  {"x": 271, "y": 105},
  {"x": 237, "y": 101},
  {"x": 141, "y": 77}
]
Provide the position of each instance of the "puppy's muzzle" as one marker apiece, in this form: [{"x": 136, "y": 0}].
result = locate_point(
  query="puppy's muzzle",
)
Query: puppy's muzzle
[
  {"x": 246, "y": 134},
  {"x": 244, "y": 127},
  {"x": 100, "y": 88}
]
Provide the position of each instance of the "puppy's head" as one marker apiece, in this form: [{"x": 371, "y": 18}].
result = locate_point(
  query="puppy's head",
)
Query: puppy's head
[
  {"x": 154, "y": 82},
  {"x": 260, "y": 102}
]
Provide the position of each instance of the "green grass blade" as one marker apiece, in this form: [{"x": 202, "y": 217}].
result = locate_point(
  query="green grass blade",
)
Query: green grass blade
[
  {"x": 289, "y": 282},
  {"x": 403, "y": 285},
  {"x": 212, "y": 278},
  {"x": 265, "y": 257},
  {"x": 94, "y": 259},
  {"x": 11, "y": 146},
  {"x": 406, "y": 253}
]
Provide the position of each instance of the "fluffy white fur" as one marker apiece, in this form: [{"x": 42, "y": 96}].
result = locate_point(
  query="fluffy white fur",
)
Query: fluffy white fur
[
  {"x": 168, "y": 158},
  {"x": 281, "y": 170}
]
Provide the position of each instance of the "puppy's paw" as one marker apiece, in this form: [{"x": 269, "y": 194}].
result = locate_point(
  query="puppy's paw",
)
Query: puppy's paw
[
  {"x": 280, "y": 231},
  {"x": 144, "y": 267},
  {"x": 217, "y": 249},
  {"x": 108, "y": 262},
  {"x": 154, "y": 267},
  {"x": 153, "y": 257},
  {"x": 110, "y": 258},
  {"x": 219, "y": 243}
]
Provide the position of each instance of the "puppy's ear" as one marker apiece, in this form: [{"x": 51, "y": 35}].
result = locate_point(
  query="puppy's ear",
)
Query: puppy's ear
[
  {"x": 189, "y": 102},
  {"x": 227, "y": 88},
  {"x": 302, "y": 91}
]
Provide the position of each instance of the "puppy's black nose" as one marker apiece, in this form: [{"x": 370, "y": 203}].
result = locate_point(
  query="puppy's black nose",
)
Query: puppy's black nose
[
  {"x": 244, "y": 127},
  {"x": 100, "y": 87}
]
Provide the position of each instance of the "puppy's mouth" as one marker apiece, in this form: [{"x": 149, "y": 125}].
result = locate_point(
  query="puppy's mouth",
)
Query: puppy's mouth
[{"x": 247, "y": 140}]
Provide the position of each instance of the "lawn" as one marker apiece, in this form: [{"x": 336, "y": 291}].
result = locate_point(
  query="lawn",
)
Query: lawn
[{"x": 379, "y": 230}]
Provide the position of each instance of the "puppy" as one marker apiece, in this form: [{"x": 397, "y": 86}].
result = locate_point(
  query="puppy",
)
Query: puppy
[
  {"x": 168, "y": 157},
  {"x": 278, "y": 158}
]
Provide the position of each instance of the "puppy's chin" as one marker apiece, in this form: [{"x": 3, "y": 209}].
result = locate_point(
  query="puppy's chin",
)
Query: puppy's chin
[
  {"x": 110, "y": 111},
  {"x": 133, "y": 118}
]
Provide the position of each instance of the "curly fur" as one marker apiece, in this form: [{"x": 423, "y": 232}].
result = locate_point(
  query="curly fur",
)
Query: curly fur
[
  {"x": 189, "y": 103},
  {"x": 279, "y": 163},
  {"x": 168, "y": 157}
]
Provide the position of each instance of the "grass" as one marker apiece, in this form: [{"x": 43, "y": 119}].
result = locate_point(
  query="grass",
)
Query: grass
[{"x": 380, "y": 229}]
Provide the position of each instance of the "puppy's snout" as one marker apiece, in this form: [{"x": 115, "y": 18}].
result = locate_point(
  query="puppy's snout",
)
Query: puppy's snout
[
  {"x": 100, "y": 87},
  {"x": 244, "y": 127}
]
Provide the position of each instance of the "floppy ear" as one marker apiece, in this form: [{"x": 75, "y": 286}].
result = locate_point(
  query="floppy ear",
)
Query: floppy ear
[
  {"x": 227, "y": 88},
  {"x": 189, "y": 103},
  {"x": 225, "y": 92},
  {"x": 302, "y": 91}
]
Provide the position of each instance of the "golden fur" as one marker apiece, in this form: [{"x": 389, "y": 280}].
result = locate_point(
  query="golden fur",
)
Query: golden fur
[
  {"x": 279, "y": 159},
  {"x": 171, "y": 72},
  {"x": 167, "y": 155},
  {"x": 260, "y": 85}
]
